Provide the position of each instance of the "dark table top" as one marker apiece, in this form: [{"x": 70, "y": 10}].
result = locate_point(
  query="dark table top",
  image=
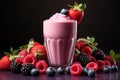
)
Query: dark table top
[{"x": 7, "y": 75}]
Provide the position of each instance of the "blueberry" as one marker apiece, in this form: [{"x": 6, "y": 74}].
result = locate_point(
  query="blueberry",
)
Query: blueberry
[
  {"x": 114, "y": 68},
  {"x": 106, "y": 69},
  {"x": 35, "y": 72},
  {"x": 50, "y": 71},
  {"x": 64, "y": 11},
  {"x": 91, "y": 73},
  {"x": 60, "y": 70},
  {"x": 85, "y": 71},
  {"x": 67, "y": 69}
]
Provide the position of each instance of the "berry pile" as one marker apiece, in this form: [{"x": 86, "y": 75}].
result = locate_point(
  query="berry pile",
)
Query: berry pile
[{"x": 31, "y": 59}]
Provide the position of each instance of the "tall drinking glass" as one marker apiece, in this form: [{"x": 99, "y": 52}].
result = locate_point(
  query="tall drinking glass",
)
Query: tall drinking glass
[{"x": 60, "y": 38}]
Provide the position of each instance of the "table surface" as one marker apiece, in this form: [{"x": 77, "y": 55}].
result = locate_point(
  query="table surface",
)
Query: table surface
[{"x": 7, "y": 75}]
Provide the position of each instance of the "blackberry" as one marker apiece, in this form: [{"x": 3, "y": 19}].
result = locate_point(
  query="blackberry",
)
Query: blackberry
[
  {"x": 98, "y": 54},
  {"x": 83, "y": 59},
  {"x": 15, "y": 67},
  {"x": 26, "y": 69}
]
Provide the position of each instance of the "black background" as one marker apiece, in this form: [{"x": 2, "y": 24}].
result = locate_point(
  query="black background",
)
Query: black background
[{"x": 21, "y": 20}]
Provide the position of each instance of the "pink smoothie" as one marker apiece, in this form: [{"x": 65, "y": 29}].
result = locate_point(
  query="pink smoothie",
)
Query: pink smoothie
[{"x": 60, "y": 33}]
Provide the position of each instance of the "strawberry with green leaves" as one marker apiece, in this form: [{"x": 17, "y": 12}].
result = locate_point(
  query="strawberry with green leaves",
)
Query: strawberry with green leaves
[{"x": 76, "y": 12}]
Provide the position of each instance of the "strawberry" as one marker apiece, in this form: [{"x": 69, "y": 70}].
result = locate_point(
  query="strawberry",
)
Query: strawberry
[
  {"x": 39, "y": 51},
  {"x": 110, "y": 59},
  {"x": 5, "y": 63},
  {"x": 76, "y": 12},
  {"x": 36, "y": 43}
]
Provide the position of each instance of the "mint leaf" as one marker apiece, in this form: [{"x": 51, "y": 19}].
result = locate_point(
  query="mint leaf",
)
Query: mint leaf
[
  {"x": 112, "y": 53},
  {"x": 7, "y": 53},
  {"x": 116, "y": 56}
]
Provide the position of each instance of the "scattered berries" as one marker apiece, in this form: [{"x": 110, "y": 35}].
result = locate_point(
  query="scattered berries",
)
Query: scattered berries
[
  {"x": 15, "y": 67},
  {"x": 67, "y": 69},
  {"x": 107, "y": 63},
  {"x": 76, "y": 69},
  {"x": 87, "y": 50},
  {"x": 92, "y": 65},
  {"x": 60, "y": 70},
  {"x": 5, "y": 63},
  {"x": 41, "y": 66},
  {"x": 114, "y": 68},
  {"x": 30, "y": 58},
  {"x": 98, "y": 54},
  {"x": 83, "y": 59},
  {"x": 106, "y": 69},
  {"x": 101, "y": 65},
  {"x": 91, "y": 73},
  {"x": 110, "y": 59},
  {"x": 35, "y": 72},
  {"x": 50, "y": 71},
  {"x": 26, "y": 69}
]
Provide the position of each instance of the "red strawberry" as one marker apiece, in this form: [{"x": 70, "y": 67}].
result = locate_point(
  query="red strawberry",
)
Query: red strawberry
[
  {"x": 30, "y": 58},
  {"x": 87, "y": 50},
  {"x": 110, "y": 59},
  {"x": 76, "y": 12},
  {"x": 76, "y": 69},
  {"x": 92, "y": 65},
  {"x": 107, "y": 63},
  {"x": 5, "y": 63},
  {"x": 36, "y": 43},
  {"x": 39, "y": 51},
  {"x": 41, "y": 65},
  {"x": 101, "y": 64}
]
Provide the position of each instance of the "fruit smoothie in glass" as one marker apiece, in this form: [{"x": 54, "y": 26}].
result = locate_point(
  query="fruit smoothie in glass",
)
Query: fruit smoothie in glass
[{"x": 60, "y": 33}]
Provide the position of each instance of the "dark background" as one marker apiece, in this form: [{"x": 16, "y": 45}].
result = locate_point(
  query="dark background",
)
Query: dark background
[{"x": 21, "y": 20}]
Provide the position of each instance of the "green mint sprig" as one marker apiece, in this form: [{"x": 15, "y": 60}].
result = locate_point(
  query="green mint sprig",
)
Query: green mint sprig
[{"x": 116, "y": 56}]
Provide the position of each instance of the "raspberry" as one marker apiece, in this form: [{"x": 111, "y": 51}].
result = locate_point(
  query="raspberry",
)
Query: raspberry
[
  {"x": 19, "y": 60},
  {"x": 110, "y": 59},
  {"x": 81, "y": 44},
  {"x": 101, "y": 64},
  {"x": 92, "y": 65},
  {"x": 30, "y": 58},
  {"x": 87, "y": 50},
  {"x": 41, "y": 65},
  {"x": 23, "y": 53},
  {"x": 76, "y": 69},
  {"x": 107, "y": 63}
]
